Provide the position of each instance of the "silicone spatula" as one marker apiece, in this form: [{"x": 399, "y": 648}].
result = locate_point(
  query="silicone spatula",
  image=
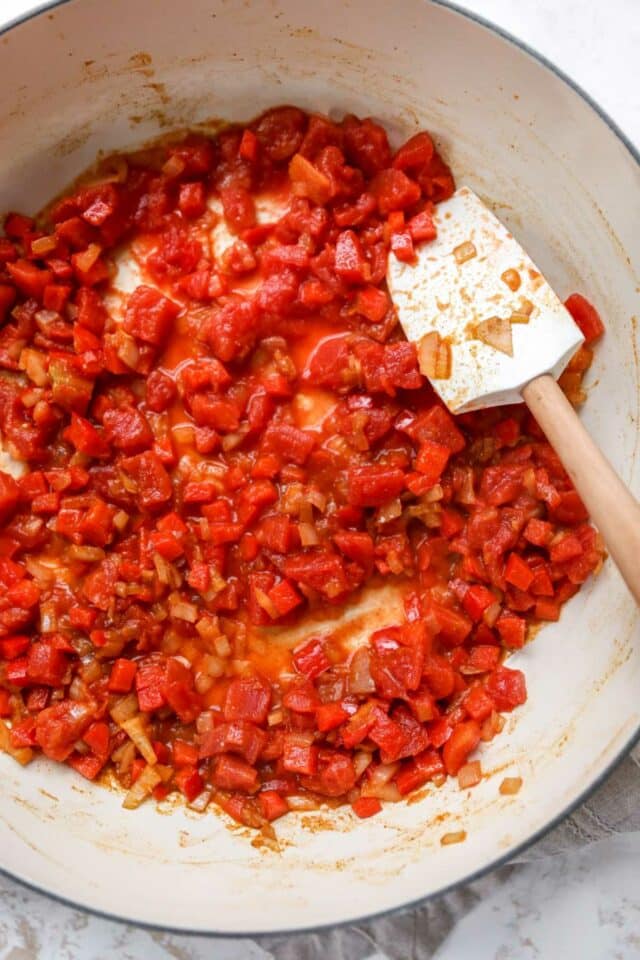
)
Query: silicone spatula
[{"x": 489, "y": 330}]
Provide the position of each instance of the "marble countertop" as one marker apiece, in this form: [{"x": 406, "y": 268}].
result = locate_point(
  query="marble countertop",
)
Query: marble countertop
[{"x": 584, "y": 904}]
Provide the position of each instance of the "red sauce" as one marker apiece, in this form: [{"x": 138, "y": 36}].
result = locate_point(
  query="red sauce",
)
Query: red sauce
[{"x": 241, "y": 449}]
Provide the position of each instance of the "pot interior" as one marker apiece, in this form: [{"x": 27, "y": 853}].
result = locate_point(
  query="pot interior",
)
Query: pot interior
[{"x": 109, "y": 76}]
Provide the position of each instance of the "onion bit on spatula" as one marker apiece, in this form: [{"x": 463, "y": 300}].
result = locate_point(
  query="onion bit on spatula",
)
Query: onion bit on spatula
[{"x": 489, "y": 331}]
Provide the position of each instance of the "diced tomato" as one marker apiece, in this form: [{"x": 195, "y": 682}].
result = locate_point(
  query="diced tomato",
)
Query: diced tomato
[
  {"x": 374, "y": 485},
  {"x": 300, "y": 755},
  {"x": 231, "y": 773},
  {"x": 463, "y": 740},
  {"x": 512, "y": 630},
  {"x": 149, "y": 315},
  {"x": 248, "y": 698},
  {"x": 240, "y": 737},
  {"x": 393, "y": 190},
  {"x": 97, "y": 738},
  {"x": 478, "y": 704},
  {"x": 365, "y": 807},
  {"x": 419, "y": 771},
  {"x": 586, "y": 316},
  {"x": 122, "y": 676},
  {"x": 272, "y": 804},
  {"x": 518, "y": 572},
  {"x": 507, "y": 688},
  {"x": 189, "y": 783},
  {"x": 311, "y": 659},
  {"x": 330, "y": 715}
]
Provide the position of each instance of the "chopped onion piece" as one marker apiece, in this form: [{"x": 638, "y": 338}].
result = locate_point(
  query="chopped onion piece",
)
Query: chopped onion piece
[
  {"x": 360, "y": 679},
  {"x": 302, "y": 802},
  {"x": 275, "y": 717},
  {"x": 317, "y": 498},
  {"x": 179, "y": 609},
  {"x": 222, "y": 646},
  {"x": 465, "y": 251},
  {"x": 523, "y": 313},
  {"x": 469, "y": 775},
  {"x": 144, "y": 785},
  {"x": 389, "y": 511},
  {"x": 136, "y": 730},
  {"x": 457, "y": 836},
  {"x": 361, "y": 761},
  {"x": 44, "y": 245},
  {"x": 120, "y": 520},
  {"x": 266, "y": 603},
  {"x": 308, "y": 535},
  {"x": 510, "y": 786},
  {"x": 201, "y": 802},
  {"x": 173, "y": 167},
  {"x": 512, "y": 279},
  {"x": 34, "y": 364},
  {"x": 124, "y": 709},
  {"x": 383, "y": 773},
  {"x": 386, "y": 791},
  {"x": 434, "y": 355},
  {"x": 86, "y": 554},
  {"x": 496, "y": 333}
]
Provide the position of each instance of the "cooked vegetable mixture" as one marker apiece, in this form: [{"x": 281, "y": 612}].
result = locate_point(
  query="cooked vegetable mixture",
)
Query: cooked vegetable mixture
[{"x": 215, "y": 435}]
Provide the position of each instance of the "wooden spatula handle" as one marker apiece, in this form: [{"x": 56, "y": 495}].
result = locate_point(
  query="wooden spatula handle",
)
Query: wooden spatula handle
[{"x": 613, "y": 508}]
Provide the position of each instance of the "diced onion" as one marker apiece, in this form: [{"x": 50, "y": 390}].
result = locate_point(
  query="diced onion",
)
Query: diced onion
[
  {"x": 317, "y": 499},
  {"x": 360, "y": 679},
  {"x": 266, "y": 603},
  {"x": 212, "y": 666},
  {"x": 86, "y": 554},
  {"x": 469, "y": 775},
  {"x": 124, "y": 757},
  {"x": 302, "y": 802},
  {"x": 465, "y": 251},
  {"x": 389, "y": 511},
  {"x": 434, "y": 355},
  {"x": 222, "y": 646},
  {"x": 136, "y": 731},
  {"x": 512, "y": 279},
  {"x": 457, "y": 836},
  {"x": 181, "y": 610},
  {"x": 203, "y": 683},
  {"x": 361, "y": 761},
  {"x": 144, "y": 785},
  {"x": 491, "y": 726},
  {"x": 124, "y": 709},
  {"x": 33, "y": 362},
  {"x": 510, "y": 786},
  {"x": 275, "y": 717},
  {"x": 308, "y": 535},
  {"x": 383, "y": 773},
  {"x": 387, "y": 791},
  {"x": 496, "y": 333},
  {"x": 492, "y": 613},
  {"x": 43, "y": 245},
  {"x": 120, "y": 520},
  {"x": 174, "y": 166},
  {"x": 201, "y": 802}
]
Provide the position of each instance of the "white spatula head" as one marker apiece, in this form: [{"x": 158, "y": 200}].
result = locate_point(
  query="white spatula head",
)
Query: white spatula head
[{"x": 483, "y": 317}]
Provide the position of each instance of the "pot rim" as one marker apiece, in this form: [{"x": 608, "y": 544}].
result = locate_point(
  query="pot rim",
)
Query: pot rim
[{"x": 634, "y": 739}]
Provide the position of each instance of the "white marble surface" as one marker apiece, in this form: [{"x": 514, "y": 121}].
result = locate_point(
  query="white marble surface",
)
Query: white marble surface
[{"x": 585, "y": 904}]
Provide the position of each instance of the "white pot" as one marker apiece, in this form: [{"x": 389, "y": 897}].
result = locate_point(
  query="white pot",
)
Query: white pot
[{"x": 88, "y": 75}]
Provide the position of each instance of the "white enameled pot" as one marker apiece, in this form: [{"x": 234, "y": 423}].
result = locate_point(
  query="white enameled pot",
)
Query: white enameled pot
[{"x": 87, "y": 75}]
